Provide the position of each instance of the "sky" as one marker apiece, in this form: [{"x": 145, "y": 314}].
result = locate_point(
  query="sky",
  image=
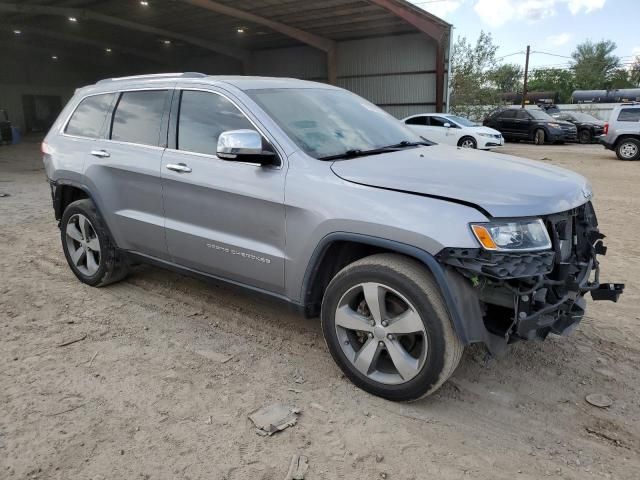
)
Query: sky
[{"x": 552, "y": 26}]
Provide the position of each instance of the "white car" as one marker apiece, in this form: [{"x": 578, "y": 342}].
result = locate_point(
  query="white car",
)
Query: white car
[{"x": 453, "y": 130}]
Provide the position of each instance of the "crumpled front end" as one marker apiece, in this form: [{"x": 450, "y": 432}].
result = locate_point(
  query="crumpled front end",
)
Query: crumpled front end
[{"x": 527, "y": 295}]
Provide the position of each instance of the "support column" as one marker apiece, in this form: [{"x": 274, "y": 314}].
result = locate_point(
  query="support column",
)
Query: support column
[
  {"x": 440, "y": 78},
  {"x": 332, "y": 65}
]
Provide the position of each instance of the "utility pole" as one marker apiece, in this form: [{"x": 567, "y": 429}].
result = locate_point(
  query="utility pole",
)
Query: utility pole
[{"x": 526, "y": 77}]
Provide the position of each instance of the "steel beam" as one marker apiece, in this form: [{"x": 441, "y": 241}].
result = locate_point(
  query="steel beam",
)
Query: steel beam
[
  {"x": 408, "y": 13},
  {"x": 80, "y": 14}
]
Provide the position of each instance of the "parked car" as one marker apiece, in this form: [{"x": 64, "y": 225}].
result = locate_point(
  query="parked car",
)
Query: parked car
[
  {"x": 306, "y": 192},
  {"x": 530, "y": 124},
  {"x": 622, "y": 132},
  {"x": 589, "y": 127},
  {"x": 6, "y": 133},
  {"x": 454, "y": 130}
]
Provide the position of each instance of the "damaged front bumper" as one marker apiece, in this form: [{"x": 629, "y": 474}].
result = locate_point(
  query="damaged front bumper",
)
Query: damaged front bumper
[{"x": 527, "y": 295}]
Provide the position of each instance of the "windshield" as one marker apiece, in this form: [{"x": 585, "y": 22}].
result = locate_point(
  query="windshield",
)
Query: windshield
[
  {"x": 465, "y": 122},
  {"x": 327, "y": 123},
  {"x": 583, "y": 117},
  {"x": 540, "y": 115}
]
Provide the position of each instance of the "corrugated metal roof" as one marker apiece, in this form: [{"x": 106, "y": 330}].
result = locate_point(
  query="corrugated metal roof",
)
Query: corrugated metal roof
[{"x": 332, "y": 19}]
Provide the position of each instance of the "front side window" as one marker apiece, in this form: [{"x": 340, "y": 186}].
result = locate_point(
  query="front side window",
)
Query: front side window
[
  {"x": 203, "y": 117},
  {"x": 507, "y": 114},
  {"x": 629, "y": 115},
  {"x": 88, "y": 118},
  {"x": 325, "y": 122},
  {"x": 138, "y": 117},
  {"x": 438, "y": 121},
  {"x": 523, "y": 115}
]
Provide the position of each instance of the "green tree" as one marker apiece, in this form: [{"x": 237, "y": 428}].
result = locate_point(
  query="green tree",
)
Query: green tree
[
  {"x": 471, "y": 76},
  {"x": 594, "y": 64},
  {"x": 552, "y": 80},
  {"x": 621, "y": 78},
  {"x": 507, "y": 78}
]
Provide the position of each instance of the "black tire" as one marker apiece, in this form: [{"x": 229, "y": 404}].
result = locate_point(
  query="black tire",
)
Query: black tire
[
  {"x": 112, "y": 265},
  {"x": 585, "y": 136},
  {"x": 539, "y": 136},
  {"x": 467, "y": 140},
  {"x": 628, "y": 149},
  {"x": 412, "y": 280}
]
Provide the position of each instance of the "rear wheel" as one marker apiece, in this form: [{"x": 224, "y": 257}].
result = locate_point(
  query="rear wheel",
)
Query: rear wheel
[
  {"x": 584, "y": 136},
  {"x": 387, "y": 328},
  {"x": 468, "y": 142},
  {"x": 539, "y": 137},
  {"x": 628, "y": 149},
  {"x": 87, "y": 245}
]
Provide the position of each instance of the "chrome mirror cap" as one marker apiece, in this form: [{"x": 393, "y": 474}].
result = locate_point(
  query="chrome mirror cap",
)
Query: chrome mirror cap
[{"x": 233, "y": 143}]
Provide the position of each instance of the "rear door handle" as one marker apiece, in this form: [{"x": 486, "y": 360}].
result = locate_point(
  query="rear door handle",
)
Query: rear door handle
[
  {"x": 178, "y": 167},
  {"x": 100, "y": 153}
]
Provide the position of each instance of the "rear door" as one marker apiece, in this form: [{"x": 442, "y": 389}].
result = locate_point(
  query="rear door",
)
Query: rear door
[
  {"x": 522, "y": 123},
  {"x": 223, "y": 218},
  {"x": 506, "y": 122},
  {"x": 124, "y": 169}
]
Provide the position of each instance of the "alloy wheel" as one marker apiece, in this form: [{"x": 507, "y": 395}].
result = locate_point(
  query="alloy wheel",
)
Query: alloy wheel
[
  {"x": 467, "y": 143},
  {"x": 83, "y": 244},
  {"x": 381, "y": 333}
]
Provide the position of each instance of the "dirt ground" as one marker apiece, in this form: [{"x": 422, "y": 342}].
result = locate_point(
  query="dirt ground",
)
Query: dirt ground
[{"x": 148, "y": 393}]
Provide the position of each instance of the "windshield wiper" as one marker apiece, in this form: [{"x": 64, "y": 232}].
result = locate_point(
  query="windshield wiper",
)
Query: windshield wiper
[{"x": 353, "y": 153}]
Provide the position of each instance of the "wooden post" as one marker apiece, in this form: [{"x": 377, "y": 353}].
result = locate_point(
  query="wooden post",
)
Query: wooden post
[
  {"x": 526, "y": 78},
  {"x": 440, "y": 78},
  {"x": 332, "y": 66}
]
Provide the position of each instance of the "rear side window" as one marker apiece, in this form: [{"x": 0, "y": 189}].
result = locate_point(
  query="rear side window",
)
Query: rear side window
[
  {"x": 417, "y": 121},
  {"x": 203, "y": 117},
  {"x": 138, "y": 117},
  {"x": 89, "y": 116},
  {"x": 629, "y": 115}
]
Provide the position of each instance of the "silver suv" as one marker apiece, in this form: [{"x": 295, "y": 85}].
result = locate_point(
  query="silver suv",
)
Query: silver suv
[
  {"x": 622, "y": 131},
  {"x": 407, "y": 250}
]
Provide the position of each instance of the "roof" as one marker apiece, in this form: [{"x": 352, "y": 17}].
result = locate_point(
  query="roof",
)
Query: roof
[
  {"x": 242, "y": 82},
  {"x": 192, "y": 27}
]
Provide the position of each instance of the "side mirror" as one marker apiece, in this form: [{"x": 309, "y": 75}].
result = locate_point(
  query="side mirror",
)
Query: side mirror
[
  {"x": 244, "y": 146},
  {"x": 447, "y": 125}
]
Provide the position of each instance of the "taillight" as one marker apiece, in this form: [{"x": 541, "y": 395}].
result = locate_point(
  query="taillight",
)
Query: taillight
[
  {"x": 45, "y": 148},
  {"x": 606, "y": 128}
]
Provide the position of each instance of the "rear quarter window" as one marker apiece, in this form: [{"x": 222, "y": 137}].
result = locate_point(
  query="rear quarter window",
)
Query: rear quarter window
[
  {"x": 88, "y": 118},
  {"x": 629, "y": 115},
  {"x": 138, "y": 117}
]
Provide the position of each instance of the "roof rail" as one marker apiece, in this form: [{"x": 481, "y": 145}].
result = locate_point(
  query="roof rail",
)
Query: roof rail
[{"x": 153, "y": 76}]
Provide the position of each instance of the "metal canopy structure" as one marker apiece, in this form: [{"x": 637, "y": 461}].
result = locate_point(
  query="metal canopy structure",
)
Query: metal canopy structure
[{"x": 170, "y": 32}]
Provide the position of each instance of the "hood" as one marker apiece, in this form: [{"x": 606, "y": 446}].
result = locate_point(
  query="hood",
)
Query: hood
[
  {"x": 502, "y": 185},
  {"x": 482, "y": 129}
]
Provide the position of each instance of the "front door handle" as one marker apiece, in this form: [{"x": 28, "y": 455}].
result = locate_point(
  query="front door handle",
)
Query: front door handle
[
  {"x": 178, "y": 167},
  {"x": 100, "y": 153}
]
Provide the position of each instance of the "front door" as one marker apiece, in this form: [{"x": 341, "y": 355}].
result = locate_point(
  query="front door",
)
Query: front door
[{"x": 222, "y": 217}]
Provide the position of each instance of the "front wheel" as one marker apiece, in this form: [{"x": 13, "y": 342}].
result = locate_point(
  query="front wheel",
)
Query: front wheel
[
  {"x": 584, "y": 136},
  {"x": 628, "y": 149},
  {"x": 386, "y": 326},
  {"x": 538, "y": 137},
  {"x": 468, "y": 142}
]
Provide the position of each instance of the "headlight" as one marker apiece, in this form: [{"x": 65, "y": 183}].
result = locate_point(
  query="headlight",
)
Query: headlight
[
  {"x": 490, "y": 135},
  {"x": 512, "y": 235},
  {"x": 555, "y": 125}
]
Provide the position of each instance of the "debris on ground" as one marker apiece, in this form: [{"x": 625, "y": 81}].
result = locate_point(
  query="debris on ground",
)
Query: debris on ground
[
  {"x": 298, "y": 467},
  {"x": 599, "y": 400},
  {"x": 317, "y": 406},
  {"x": 214, "y": 356},
  {"x": 295, "y": 390},
  {"x": 274, "y": 418},
  {"x": 71, "y": 342},
  {"x": 299, "y": 379},
  {"x": 3, "y": 194}
]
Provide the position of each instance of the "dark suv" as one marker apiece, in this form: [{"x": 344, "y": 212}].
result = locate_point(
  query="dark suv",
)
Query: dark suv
[
  {"x": 531, "y": 124},
  {"x": 589, "y": 127},
  {"x": 6, "y": 134}
]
